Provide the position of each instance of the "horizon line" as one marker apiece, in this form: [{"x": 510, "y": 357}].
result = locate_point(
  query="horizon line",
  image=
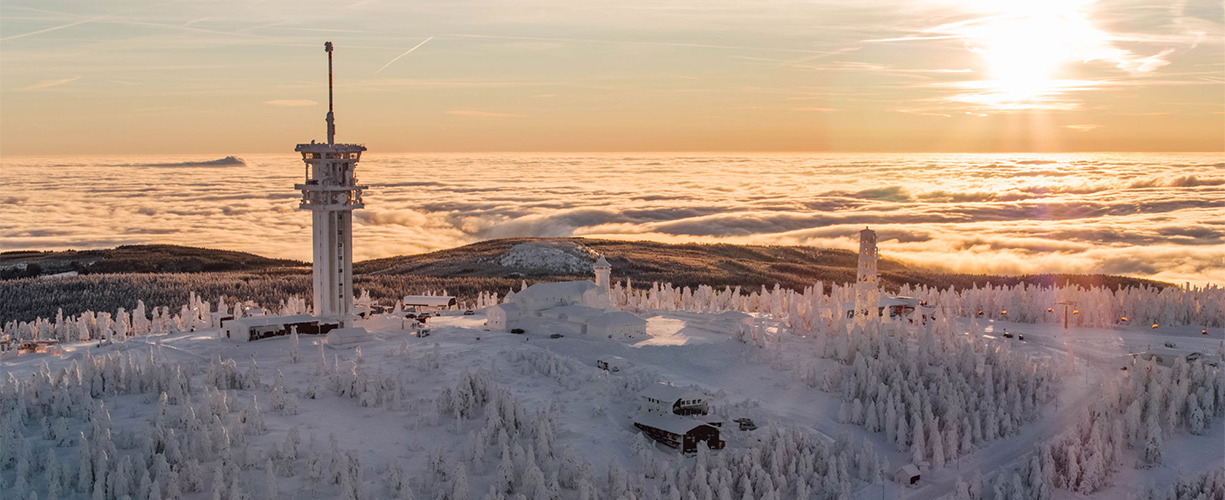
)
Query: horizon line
[{"x": 668, "y": 151}]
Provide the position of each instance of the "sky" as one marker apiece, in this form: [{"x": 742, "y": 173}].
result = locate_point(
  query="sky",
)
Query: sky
[{"x": 227, "y": 77}]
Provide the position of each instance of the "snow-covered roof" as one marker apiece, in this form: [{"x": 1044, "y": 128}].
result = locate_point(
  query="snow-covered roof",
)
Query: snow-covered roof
[
  {"x": 616, "y": 318},
  {"x": 665, "y": 392},
  {"x": 675, "y": 424},
  {"x": 509, "y": 309},
  {"x": 601, "y": 263},
  {"x": 574, "y": 313},
  {"x": 429, "y": 300},
  {"x": 554, "y": 291},
  {"x": 251, "y": 321},
  {"x": 909, "y": 470},
  {"x": 899, "y": 301}
]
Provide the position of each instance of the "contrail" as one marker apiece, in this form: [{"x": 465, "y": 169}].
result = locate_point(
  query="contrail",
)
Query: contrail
[
  {"x": 404, "y": 54},
  {"x": 69, "y": 25}
]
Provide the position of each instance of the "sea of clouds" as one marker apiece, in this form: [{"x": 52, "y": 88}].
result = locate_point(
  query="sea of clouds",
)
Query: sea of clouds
[{"x": 1150, "y": 215}]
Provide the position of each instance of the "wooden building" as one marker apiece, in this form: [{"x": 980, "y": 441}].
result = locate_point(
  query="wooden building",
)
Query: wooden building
[{"x": 679, "y": 432}]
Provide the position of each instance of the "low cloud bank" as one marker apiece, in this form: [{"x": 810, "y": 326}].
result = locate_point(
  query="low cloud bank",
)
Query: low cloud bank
[{"x": 1158, "y": 216}]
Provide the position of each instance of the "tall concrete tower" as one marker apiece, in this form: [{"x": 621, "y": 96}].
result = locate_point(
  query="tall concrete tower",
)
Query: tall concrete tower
[
  {"x": 603, "y": 274},
  {"x": 867, "y": 285},
  {"x": 331, "y": 192}
]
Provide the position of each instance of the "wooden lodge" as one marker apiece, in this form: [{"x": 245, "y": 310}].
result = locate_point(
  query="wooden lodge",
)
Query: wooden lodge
[{"x": 679, "y": 432}]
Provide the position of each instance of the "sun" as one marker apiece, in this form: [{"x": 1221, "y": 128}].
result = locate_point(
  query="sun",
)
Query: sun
[
  {"x": 1024, "y": 46},
  {"x": 1023, "y": 55}
]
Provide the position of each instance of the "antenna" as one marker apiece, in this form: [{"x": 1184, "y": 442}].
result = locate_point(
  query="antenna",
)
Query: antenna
[{"x": 327, "y": 47}]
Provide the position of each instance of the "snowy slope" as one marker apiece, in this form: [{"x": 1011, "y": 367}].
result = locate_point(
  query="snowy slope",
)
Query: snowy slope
[{"x": 398, "y": 424}]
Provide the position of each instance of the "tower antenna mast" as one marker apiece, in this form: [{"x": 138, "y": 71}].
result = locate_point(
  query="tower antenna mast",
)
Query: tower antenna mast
[{"x": 327, "y": 47}]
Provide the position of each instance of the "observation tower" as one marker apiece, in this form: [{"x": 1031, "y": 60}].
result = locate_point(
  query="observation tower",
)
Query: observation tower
[
  {"x": 331, "y": 192},
  {"x": 867, "y": 283}
]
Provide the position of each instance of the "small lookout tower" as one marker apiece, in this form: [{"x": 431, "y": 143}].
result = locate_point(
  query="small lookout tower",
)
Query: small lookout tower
[
  {"x": 603, "y": 273},
  {"x": 331, "y": 192}
]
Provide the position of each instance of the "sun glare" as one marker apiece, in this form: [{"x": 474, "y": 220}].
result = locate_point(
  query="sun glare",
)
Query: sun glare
[{"x": 1024, "y": 46}]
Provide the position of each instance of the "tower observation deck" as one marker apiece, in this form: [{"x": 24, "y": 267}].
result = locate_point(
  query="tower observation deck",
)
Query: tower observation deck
[{"x": 332, "y": 192}]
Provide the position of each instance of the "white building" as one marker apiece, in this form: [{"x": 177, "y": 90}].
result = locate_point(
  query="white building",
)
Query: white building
[
  {"x": 672, "y": 400},
  {"x": 581, "y": 303},
  {"x": 250, "y": 328},
  {"x": 543, "y": 296},
  {"x": 498, "y": 317},
  {"x": 617, "y": 325}
]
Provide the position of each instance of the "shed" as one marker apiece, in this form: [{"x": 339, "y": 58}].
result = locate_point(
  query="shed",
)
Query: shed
[
  {"x": 617, "y": 324},
  {"x": 498, "y": 317},
  {"x": 672, "y": 400},
  {"x": 907, "y": 475},
  {"x": 678, "y": 432}
]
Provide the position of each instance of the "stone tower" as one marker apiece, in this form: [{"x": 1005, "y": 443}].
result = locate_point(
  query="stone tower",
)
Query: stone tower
[
  {"x": 867, "y": 258},
  {"x": 867, "y": 284}
]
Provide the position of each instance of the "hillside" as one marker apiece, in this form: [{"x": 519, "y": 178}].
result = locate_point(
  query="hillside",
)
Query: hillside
[
  {"x": 691, "y": 264},
  {"x": 164, "y": 274},
  {"x": 135, "y": 259}
]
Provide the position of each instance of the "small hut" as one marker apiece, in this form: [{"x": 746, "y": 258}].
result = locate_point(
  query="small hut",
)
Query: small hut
[{"x": 907, "y": 475}]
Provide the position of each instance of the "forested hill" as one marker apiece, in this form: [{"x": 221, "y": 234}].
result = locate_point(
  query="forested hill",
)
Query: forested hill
[
  {"x": 136, "y": 259},
  {"x": 164, "y": 275},
  {"x": 548, "y": 259},
  {"x": 691, "y": 264}
]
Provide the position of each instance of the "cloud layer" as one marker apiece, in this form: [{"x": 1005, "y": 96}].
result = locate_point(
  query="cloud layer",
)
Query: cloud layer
[{"x": 1160, "y": 216}]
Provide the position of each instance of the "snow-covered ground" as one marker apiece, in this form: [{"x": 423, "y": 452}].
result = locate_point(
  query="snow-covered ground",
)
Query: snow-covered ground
[{"x": 405, "y": 429}]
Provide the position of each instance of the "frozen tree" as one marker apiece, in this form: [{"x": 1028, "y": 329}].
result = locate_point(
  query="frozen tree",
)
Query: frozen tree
[
  {"x": 506, "y": 472},
  {"x": 270, "y": 489},
  {"x": 1195, "y": 416},
  {"x": 902, "y": 433},
  {"x": 937, "y": 446},
  {"x": 1152, "y": 443},
  {"x": 85, "y": 465},
  {"x": 459, "y": 482},
  {"x": 918, "y": 445},
  {"x": 293, "y": 344},
  {"x": 236, "y": 492},
  {"x": 218, "y": 483}
]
